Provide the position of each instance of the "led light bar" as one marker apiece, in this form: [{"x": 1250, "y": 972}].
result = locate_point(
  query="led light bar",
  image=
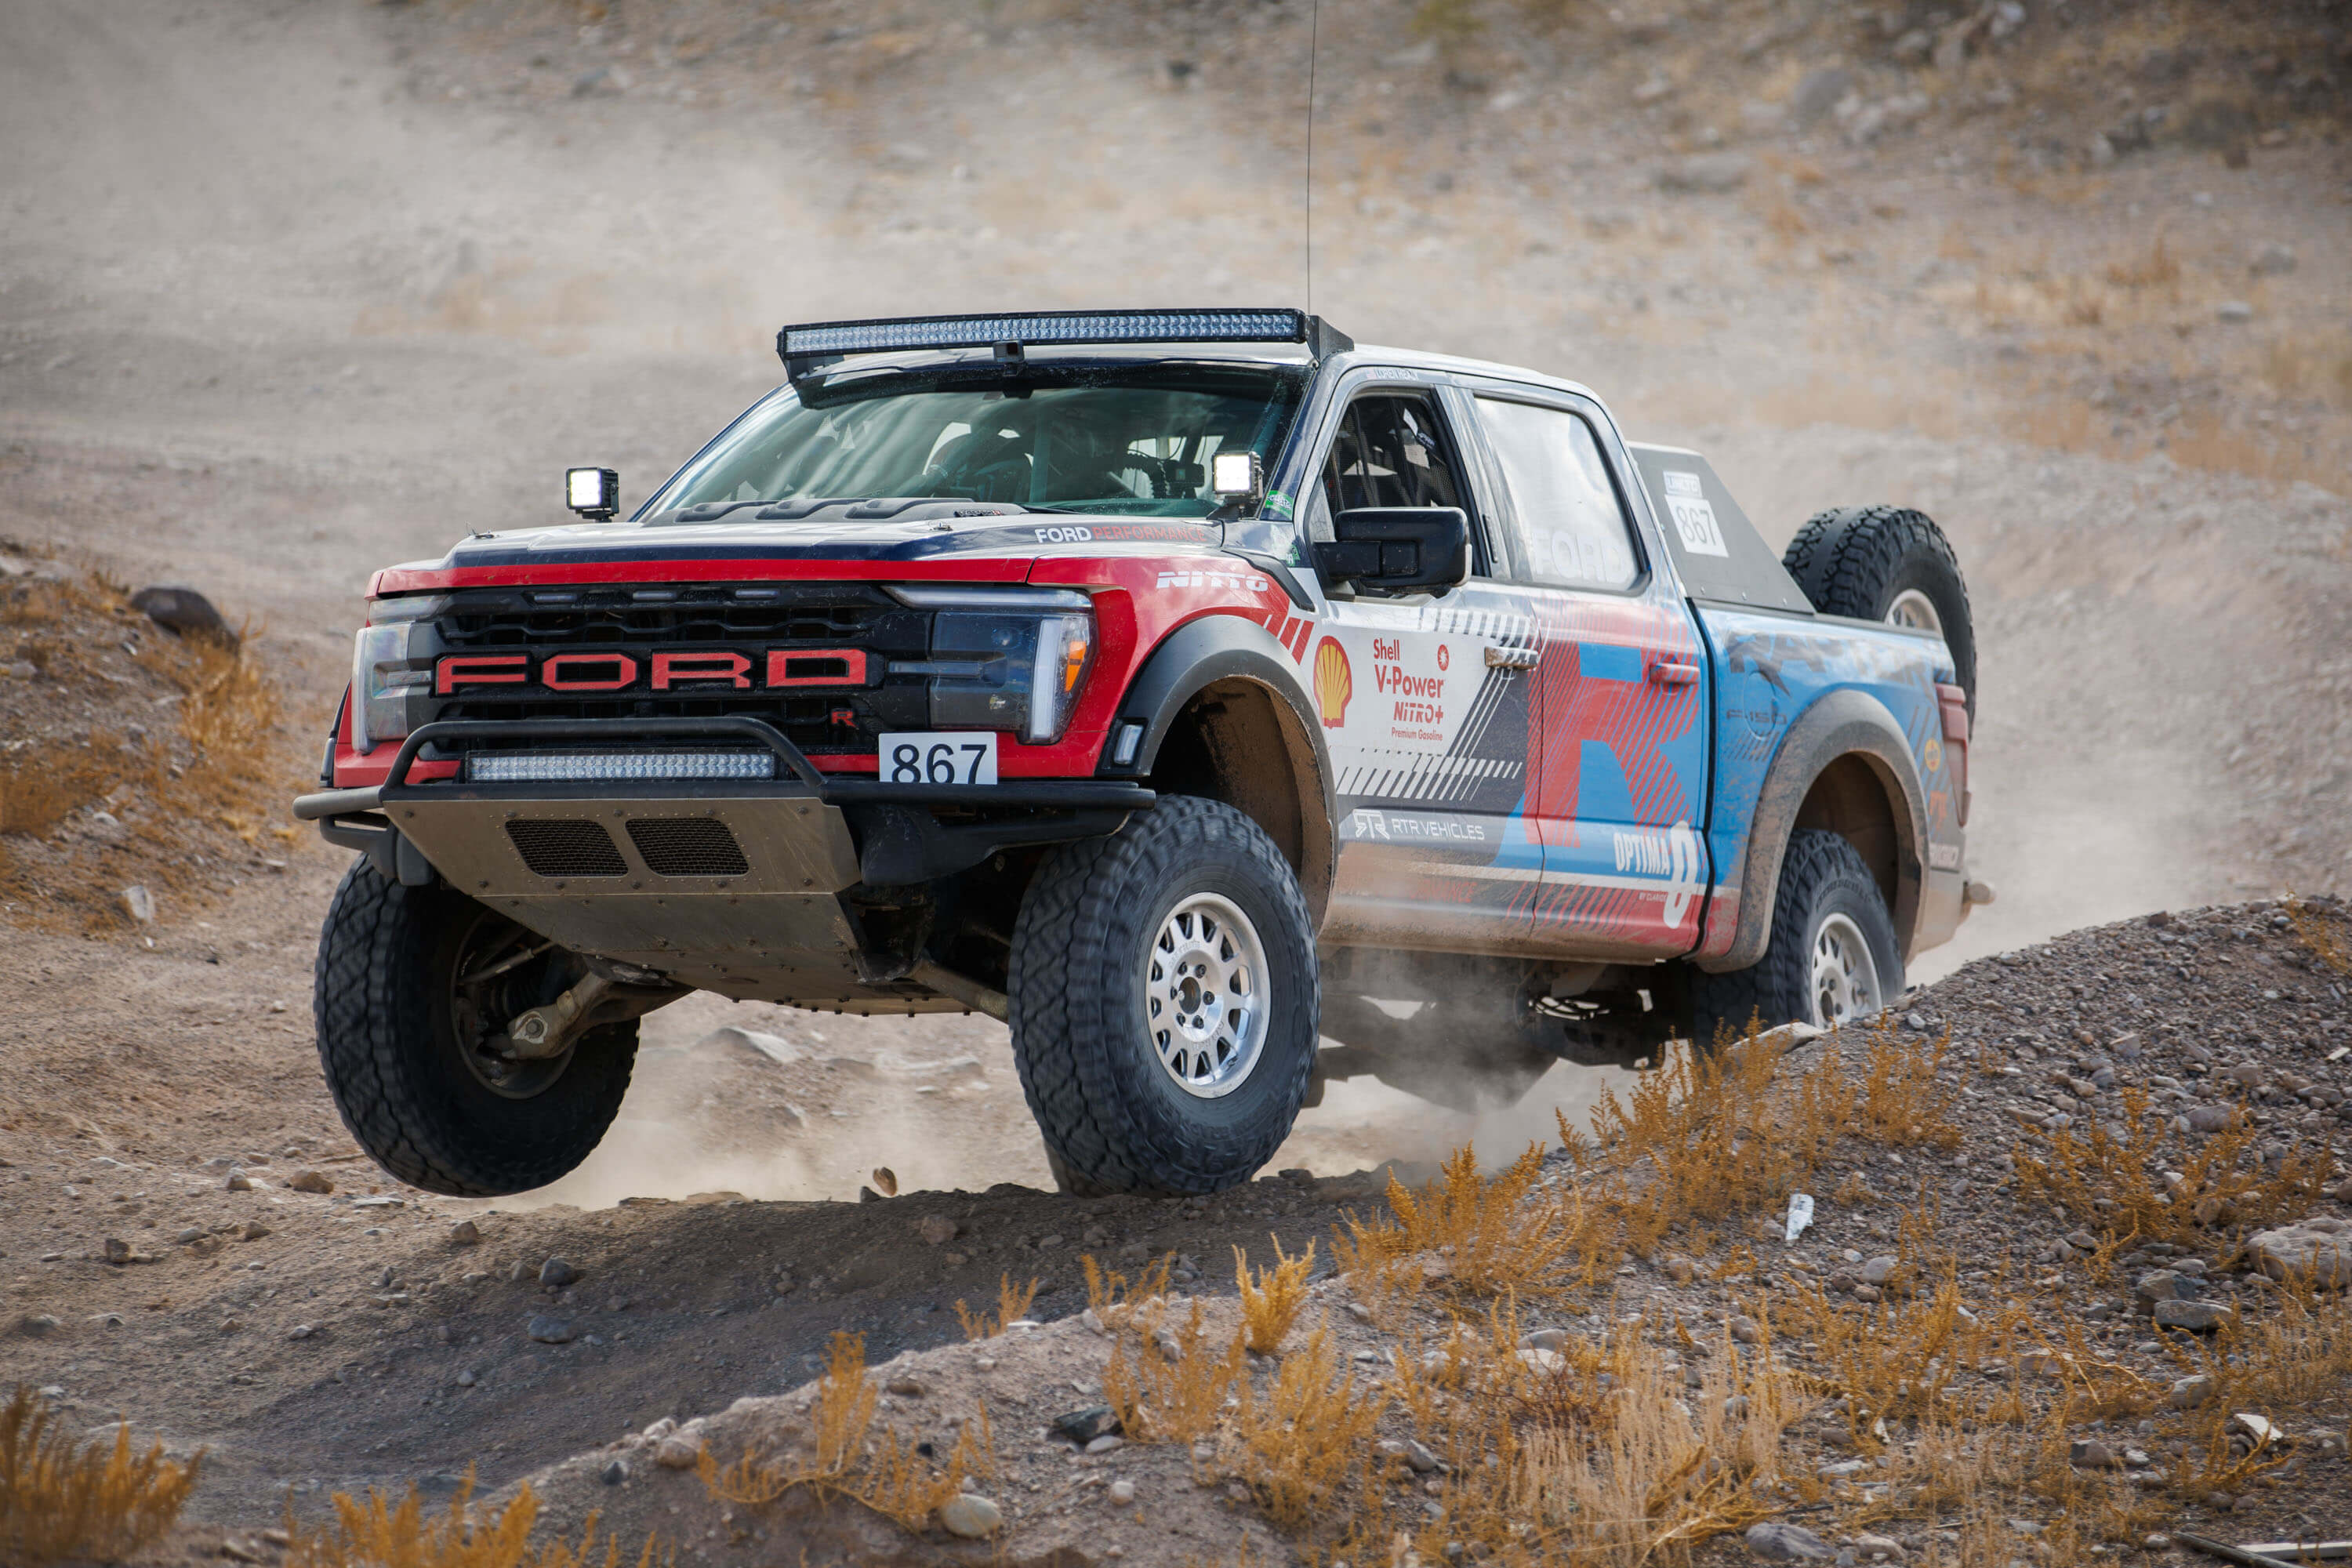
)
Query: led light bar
[
  {"x": 567, "y": 767},
  {"x": 883, "y": 335}
]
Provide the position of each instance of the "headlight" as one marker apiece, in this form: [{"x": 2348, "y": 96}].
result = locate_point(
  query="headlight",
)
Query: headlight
[
  {"x": 1017, "y": 672},
  {"x": 391, "y": 667}
]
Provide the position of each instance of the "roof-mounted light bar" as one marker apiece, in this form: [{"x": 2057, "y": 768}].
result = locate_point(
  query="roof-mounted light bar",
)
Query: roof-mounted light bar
[{"x": 809, "y": 346}]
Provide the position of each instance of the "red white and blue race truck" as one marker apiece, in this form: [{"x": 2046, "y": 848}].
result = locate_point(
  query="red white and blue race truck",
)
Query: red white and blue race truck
[{"x": 1191, "y": 690}]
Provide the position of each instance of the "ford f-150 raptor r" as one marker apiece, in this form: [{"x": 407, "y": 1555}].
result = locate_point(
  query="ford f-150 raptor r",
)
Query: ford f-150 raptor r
[{"x": 1181, "y": 688}]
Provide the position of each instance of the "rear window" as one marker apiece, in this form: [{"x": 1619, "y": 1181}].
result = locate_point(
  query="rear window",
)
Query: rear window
[{"x": 1573, "y": 532}]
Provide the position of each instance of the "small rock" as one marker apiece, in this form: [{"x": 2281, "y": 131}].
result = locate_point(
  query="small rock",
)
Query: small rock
[
  {"x": 311, "y": 1181},
  {"x": 2234, "y": 311},
  {"x": 2091, "y": 1455},
  {"x": 139, "y": 903},
  {"x": 2273, "y": 259},
  {"x": 907, "y": 1385},
  {"x": 1818, "y": 94},
  {"x": 2210, "y": 1118},
  {"x": 179, "y": 608},
  {"x": 1870, "y": 1545},
  {"x": 465, "y": 1232},
  {"x": 677, "y": 1452},
  {"x": 1745, "y": 1331},
  {"x": 1108, "y": 1443},
  {"x": 2161, "y": 1285},
  {"x": 1543, "y": 1362},
  {"x": 467, "y": 1379},
  {"x": 2188, "y": 1392},
  {"x": 973, "y": 1517},
  {"x": 1418, "y": 1455},
  {"x": 1778, "y": 1542},
  {"x": 1868, "y": 1293},
  {"x": 238, "y": 1181},
  {"x": 549, "y": 1331},
  {"x": 1880, "y": 1269},
  {"x": 117, "y": 1249},
  {"x": 2197, "y": 1317},
  {"x": 37, "y": 1325},
  {"x": 936, "y": 1229},
  {"x": 1706, "y": 173},
  {"x": 1083, "y": 1427},
  {"x": 557, "y": 1273},
  {"x": 254, "y": 1230},
  {"x": 2082, "y": 1241},
  {"x": 616, "y": 1473},
  {"x": 2158, "y": 1542},
  {"x": 1122, "y": 1492},
  {"x": 1544, "y": 1340},
  {"x": 301, "y": 1330},
  {"x": 2318, "y": 1248},
  {"x": 1678, "y": 1268}
]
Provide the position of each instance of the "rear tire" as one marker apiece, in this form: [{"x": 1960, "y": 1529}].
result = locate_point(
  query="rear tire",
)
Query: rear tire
[
  {"x": 1887, "y": 564},
  {"x": 1833, "y": 958},
  {"x": 398, "y": 1040},
  {"x": 1164, "y": 995}
]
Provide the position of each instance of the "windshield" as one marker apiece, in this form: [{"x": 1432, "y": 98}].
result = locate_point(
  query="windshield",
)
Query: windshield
[{"x": 1120, "y": 437}]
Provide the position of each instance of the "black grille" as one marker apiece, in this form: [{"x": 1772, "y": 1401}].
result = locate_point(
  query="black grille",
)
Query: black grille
[
  {"x": 635, "y": 619},
  {"x": 687, "y": 846},
  {"x": 566, "y": 846}
]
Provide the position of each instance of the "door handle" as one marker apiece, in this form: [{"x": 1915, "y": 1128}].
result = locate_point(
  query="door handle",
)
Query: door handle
[
  {"x": 1511, "y": 657},
  {"x": 1670, "y": 672}
]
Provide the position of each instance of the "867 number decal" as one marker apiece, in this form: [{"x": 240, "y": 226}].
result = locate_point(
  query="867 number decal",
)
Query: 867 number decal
[{"x": 940, "y": 757}]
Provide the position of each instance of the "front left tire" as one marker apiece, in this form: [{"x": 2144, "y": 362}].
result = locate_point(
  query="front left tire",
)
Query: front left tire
[{"x": 1164, "y": 1000}]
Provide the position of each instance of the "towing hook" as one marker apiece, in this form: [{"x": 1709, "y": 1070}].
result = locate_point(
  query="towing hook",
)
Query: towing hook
[{"x": 548, "y": 1030}]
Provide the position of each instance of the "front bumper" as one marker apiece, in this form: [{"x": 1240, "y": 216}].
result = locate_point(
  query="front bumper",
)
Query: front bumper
[{"x": 735, "y": 886}]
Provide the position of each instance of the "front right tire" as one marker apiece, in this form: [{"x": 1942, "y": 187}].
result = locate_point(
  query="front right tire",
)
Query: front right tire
[
  {"x": 411, "y": 986},
  {"x": 1164, "y": 1001}
]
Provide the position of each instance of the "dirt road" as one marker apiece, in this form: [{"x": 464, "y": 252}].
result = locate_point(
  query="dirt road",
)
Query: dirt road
[{"x": 289, "y": 292}]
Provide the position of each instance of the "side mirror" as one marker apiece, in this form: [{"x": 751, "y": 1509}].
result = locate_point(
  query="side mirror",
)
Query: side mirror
[
  {"x": 593, "y": 493},
  {"x": 1388, "y": 549}
]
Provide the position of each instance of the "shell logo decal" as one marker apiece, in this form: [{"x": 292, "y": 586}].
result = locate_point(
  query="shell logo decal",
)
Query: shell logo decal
[{"x": 1334, "y": 683}]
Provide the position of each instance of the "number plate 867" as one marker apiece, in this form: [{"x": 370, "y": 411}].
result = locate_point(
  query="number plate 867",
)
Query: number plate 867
[{"x": 940, "y": 757}]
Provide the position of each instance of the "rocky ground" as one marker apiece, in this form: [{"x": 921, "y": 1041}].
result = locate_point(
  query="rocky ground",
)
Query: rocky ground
[{"x": 289, "y": 292}]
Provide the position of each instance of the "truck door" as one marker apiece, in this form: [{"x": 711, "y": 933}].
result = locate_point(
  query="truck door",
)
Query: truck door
[
  {"x": 1428, "y": 735},
  {"x": 1619, "y": 797}
]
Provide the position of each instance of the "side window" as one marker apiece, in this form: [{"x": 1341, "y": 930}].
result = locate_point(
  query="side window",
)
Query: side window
[
  {"x": 1391, "y": 451},
  {"x": 1573, "y": 532}
]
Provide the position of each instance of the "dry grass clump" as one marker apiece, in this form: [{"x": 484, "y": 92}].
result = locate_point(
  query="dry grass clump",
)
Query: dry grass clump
[
  {"x": 379, "y": 1534},
  {"x": 1303, "y": 1436},
  {"x": 1012, "y": 1306},
  {"x": 1905, "y": 1099},
  {"x": 1715, "y": 1132},
  {"x": 886, "y": 1474},
  {"x": 2330, "y": 940},
  {"x": 1468, "y": 1233},
  {"x": 1271, "y": 1296},
  {"x": 2122, "y": 1179},
  {"x": 61, "y": 1499},
  {"x": 1173, "y": 1384}
]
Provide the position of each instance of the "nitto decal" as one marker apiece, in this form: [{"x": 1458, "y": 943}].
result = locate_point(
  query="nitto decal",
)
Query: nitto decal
[
  {"x": 1209, "y": 579},
  {"x": 1335, "y": 683},
  {"x": 1673, "y": 855}
]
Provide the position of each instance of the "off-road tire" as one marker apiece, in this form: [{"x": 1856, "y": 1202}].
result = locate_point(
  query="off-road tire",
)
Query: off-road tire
[
  {"x": 1821, "y": 875},
  {"x": 1856, "y": 560},
  {"x": 1112, "y": 1117},
  {"x": 389, "y": 1052}
]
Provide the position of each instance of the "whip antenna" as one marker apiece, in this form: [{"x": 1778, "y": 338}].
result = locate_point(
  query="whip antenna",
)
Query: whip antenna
[{"x": 1314, "y": 28}]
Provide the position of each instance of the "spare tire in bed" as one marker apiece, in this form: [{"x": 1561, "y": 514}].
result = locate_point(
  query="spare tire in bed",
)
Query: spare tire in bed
[{"x": 1887, "y": 564}]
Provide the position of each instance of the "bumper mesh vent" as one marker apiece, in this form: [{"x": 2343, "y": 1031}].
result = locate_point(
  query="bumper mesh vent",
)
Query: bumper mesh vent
[
  {"x": 566, "y": 846},
  {"x": 687, "y": 846}
]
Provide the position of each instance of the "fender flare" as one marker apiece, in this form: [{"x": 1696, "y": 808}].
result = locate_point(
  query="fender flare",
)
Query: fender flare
[
  {"x": 1221, "y": 648},
  {"x": 1847, "y": 722}
]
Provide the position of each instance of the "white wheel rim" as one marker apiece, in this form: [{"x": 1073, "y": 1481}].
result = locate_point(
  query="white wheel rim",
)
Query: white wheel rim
[
  {"x": 1915, "y": 611},
  {"x": 1205, "y": 997},
  {"x": 1846, "y": 977}
]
